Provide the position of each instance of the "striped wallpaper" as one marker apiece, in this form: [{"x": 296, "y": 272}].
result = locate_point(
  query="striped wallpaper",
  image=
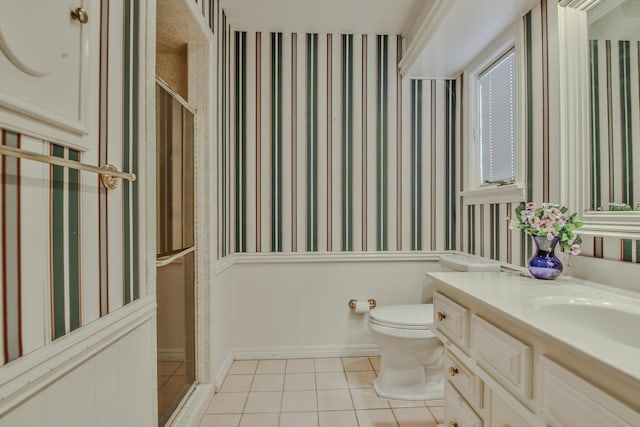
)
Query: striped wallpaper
[
  {"x": 70, "y": 248},
  {"x": 131, "y": 119},
  {"x": 615, "y": 122},
  {"x": 64, "y": 239},
  {"x": 11, "y": 252},
  {"x": 615, "y": 95},
  {"x": 326, "y": 148},
  {"x": 208, "y": 9},
  {"x": 223, "y": 105}
]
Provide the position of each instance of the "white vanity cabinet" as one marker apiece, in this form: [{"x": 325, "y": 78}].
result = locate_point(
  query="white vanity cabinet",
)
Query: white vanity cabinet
[
  {"x": 503, "y": 415},
  {"x": 502, "y": 372},
  {"x": 471, "y": 341},
  {"x": 506, "y": 358},
  {"x": 464, "y": 380},
  {"x": 567, "y": 400},
  {"x": 458, "y": 411}
]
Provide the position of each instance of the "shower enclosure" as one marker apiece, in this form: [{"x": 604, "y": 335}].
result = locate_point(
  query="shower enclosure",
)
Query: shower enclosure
[{"x": 175, "y": 259}]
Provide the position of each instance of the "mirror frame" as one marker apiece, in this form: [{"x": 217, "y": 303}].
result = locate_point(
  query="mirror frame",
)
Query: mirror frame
[{"x": 575, "y": 126}]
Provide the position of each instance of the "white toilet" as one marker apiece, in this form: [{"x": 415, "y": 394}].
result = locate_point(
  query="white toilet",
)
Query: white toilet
[{"x": 411, "y": 364}]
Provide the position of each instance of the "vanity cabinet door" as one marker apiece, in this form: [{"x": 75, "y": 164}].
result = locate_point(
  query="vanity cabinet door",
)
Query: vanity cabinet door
[
  {"x": 464, "y": 380},
  {"x": 504, "y": 356},
  {"x": 567, "y": 400},
  {"x": 502, "y": 415},
  {"x": 458, "y": 413}
]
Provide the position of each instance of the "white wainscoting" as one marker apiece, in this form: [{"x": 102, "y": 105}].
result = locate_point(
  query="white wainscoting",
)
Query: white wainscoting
[
  {"x": 110, "y": 382},
  {"x": 297, "y": 306}
]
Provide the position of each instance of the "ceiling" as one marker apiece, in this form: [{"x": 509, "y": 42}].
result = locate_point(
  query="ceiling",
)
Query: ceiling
[
  {"x": 615, "y": 20},
  {"x": 460, "y": 33},
  {"x": 430, "y": 27},
  {"x": 320, "y": 16}
]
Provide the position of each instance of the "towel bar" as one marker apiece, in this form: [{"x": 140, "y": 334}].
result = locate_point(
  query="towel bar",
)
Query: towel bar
[{"x": 109, "y": 174}]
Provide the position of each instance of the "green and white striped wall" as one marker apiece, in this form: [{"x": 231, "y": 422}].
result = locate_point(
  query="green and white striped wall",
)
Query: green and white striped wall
[
  {"x": 615, "y": 131},
  {"x": 324, "y": 147},
  {"x": 70, "y": 248},
  {"x": 327, "y": 148},
  {"x": 615, "y": 122}
]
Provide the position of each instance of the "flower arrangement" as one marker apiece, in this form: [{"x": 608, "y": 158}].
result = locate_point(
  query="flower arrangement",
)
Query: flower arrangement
[{"x": 551, "y": 221}]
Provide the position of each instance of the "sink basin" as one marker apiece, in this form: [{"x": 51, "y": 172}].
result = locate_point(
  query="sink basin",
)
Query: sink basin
[{"x": 610, "y": 320}]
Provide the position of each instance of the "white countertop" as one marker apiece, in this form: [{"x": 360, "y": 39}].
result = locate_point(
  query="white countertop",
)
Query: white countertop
[{"x": 516, "y": 297}]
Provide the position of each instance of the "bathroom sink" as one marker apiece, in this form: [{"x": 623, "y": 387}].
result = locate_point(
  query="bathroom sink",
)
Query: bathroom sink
[{"x": 610, "y": 320}]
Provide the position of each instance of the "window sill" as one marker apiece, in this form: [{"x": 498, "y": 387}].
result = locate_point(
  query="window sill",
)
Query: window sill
[{"x": 510, "y": 193}]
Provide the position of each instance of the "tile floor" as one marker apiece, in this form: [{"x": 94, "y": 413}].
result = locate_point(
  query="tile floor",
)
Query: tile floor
[{"x": 327, "y": 392}]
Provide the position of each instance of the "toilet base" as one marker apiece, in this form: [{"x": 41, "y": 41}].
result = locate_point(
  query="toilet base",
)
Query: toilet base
[
  {"x": 410, "y": 369},
  {"x": 430, "y": 391}
]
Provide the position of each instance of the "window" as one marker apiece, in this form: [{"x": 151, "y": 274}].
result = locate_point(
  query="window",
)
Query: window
[
  {"x": 497, "y": 121},
  {"x": 494, "y": 112}
]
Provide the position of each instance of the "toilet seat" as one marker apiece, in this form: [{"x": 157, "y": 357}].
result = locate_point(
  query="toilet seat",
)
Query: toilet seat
[
  {"x": 392, "y": 331},
  {"x": 409, "y": 316}
]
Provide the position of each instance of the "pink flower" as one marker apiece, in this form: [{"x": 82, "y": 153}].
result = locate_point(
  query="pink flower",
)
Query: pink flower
[
  {"x": 548, "y": 221},
  {"x": 554, "y": 214}
]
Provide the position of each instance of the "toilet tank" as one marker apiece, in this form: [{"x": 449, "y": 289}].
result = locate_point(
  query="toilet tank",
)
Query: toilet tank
[{"x": 459, "y": 262}]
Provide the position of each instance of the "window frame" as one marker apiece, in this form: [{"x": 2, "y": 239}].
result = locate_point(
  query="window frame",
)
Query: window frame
[{"x": 475, "y": 191}]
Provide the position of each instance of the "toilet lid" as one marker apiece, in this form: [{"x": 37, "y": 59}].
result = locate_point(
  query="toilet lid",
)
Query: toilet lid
[{"x": 404, "y": 315}]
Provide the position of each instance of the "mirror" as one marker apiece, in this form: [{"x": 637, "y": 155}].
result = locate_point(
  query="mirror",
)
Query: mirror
[
  {"x": 613, "y": 29},
  {"x": 600, "y": 100}
]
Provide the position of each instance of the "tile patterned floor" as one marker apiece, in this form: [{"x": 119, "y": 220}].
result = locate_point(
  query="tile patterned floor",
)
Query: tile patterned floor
[{"x": 328, "y": 392}]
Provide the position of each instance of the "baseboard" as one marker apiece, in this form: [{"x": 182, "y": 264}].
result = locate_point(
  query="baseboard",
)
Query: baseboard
[
  {"x": 170, "y": 354},
  {"x": 194, "y": 407},
  {"x": 302, "y": 352},
  {"x": 221, "y": 374}
]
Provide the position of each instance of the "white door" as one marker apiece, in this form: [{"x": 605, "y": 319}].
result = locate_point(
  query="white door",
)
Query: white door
[{"x": 47, "y": 47}]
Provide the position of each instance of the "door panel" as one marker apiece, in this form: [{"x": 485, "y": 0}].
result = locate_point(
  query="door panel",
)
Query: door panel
[
  {"x": 44, "y": 63},
  {"x": 175, "y": 252}
]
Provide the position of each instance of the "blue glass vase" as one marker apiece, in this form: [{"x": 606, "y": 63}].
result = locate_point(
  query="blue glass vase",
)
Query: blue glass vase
[{"x": 544, "y": 264}]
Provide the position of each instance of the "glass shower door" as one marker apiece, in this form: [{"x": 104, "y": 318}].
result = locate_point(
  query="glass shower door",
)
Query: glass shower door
[{"x": 175, "y": 259}]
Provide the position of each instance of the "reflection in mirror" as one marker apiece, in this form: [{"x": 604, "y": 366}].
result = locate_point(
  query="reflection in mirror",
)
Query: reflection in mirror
[
  {"x": 599, "y": 149},
  {"x": 614, "y": 63}
]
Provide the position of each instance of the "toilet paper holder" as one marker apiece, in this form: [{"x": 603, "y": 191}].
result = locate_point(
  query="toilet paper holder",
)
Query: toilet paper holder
[{"x": 371, "y": 301}]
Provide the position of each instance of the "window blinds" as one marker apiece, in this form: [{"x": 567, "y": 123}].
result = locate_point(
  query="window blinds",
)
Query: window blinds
[{"x": 497, "y": 130}]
